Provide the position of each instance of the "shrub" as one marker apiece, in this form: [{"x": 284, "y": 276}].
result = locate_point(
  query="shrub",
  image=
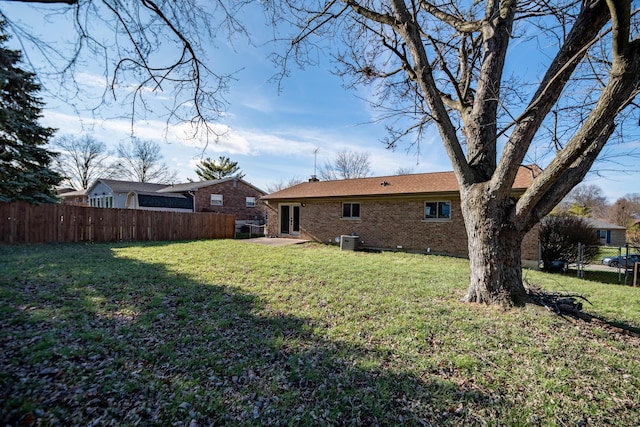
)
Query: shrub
[{"x": 559, "y": 238}]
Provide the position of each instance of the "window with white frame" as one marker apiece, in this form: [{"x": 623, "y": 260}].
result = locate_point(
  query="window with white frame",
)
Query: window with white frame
[
  {"x": 216, "y": 200},
  {"x": 101, "y": 201},
  {"x": 351, "y": 210},
  {"x": 251, "y": 202},
  {"x": 437, "y": 210}
]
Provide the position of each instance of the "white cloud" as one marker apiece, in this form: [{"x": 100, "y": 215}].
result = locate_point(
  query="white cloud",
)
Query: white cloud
[
  {"x": 92, "y": 80},
  {"x": 279, "y": 154}
]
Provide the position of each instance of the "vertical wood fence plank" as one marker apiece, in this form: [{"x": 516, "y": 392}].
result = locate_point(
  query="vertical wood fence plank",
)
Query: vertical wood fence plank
[{"x": 21, "y": 222}]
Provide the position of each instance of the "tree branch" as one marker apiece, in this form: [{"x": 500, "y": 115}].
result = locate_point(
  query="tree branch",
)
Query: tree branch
[
  {"x": 370, "y": 14},
  {"x": 568, "y": 178},
  {"x": 584, "y": 147},
  {"x": 620, "y": 11},
  {"x": 458, "y": 24},
  {"x": 593, "y": 16},
  {"x": 481, "y": 124},
  {"x": 410, "y": 31},
  {"x": 306, "y": 31}
]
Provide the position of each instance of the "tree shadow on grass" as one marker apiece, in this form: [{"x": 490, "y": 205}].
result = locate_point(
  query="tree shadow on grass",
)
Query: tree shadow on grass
[{"x": 89, "y": 338}]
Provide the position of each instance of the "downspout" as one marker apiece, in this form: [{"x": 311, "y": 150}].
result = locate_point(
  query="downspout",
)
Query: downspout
[{"x": 193, "y": 200}]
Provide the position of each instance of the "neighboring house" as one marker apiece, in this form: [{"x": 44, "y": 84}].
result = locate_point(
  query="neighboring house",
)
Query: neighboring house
[
  {"x": 609, "y": 234},
  {"x": 112, "y": 193},
  {"x": 227, "y": 195},
  {"x": 418, "y": 212},
  {"x": 69, "y": 196}
]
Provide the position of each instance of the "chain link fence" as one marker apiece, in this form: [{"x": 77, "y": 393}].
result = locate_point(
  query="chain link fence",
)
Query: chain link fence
[{"x": 603, "y": 262}]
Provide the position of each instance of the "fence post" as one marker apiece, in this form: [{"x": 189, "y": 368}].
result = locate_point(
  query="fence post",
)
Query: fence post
[
  {"x": 626, "y": 269},
  {"x": 539, "y": 254},
  {"x": 580, "y": 269}
]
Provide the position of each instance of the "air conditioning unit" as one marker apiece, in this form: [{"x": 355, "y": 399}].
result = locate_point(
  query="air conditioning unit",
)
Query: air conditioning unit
[{"x": 349, "y": 243}]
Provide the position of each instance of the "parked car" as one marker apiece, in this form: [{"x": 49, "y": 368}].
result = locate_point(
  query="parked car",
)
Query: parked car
[{"x": 622, "y": 261}]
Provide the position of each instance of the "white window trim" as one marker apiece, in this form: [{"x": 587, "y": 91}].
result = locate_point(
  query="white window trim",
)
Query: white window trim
[
  {"x": 101, "y": 201},
  {"x": 250, "y": 202},
  {"x": 216, "y": 200}
]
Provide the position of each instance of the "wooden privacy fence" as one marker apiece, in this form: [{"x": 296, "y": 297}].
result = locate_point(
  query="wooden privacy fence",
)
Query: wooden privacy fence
[{"x": 48, "y": 223}]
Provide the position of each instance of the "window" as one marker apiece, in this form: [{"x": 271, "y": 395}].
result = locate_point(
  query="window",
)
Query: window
[
  {"x": 251, "y": 202},
  {"x": 602, "y": 234},
  {"x": 102, "y": 201},
  {"x": 437, "y": 210},
  {"x": 351, "y": 210},
  {"x": 216, "y": 200}
]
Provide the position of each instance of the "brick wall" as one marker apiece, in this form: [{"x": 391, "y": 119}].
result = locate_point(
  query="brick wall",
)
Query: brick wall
[
  {"x": 234, "y": 194},
  {"x": 387, "y": 224},
  {"x": 530, "y": 244}
]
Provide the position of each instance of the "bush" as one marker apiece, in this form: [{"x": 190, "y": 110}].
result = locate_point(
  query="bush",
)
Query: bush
[
  {"x": 559, "y": 238},
  {"x": 633, "y": 237}
]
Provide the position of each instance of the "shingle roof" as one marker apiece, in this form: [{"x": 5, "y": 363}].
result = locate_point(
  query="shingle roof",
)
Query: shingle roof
[
  {"x": 196, "y": 185},
  {"x": 74, "y": 193},
  {"x": 126, "y": 186},
  {"x": 189, "y": 186},
  {"x": 424, "y": 183},
  {"x": 144, "y": 187},
  {"x": 603, "y": 225}
]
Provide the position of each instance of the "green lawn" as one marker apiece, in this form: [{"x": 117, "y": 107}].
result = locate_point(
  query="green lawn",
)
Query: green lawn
[{"x": 230, "y": 333}]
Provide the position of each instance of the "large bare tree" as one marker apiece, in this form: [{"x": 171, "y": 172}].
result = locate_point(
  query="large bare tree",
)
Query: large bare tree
[
  {"x": 585, "y": 200},
  {"x": 445, "y": 64},
  {"x": 82, "y": 160},
  {"x": 625, "y": 210},
  {"x": 142, "y": 161},
  {"x": 346, "y": 164}
]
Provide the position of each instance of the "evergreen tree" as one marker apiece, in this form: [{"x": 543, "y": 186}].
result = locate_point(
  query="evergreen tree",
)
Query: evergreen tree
[
  {"x": 217, "y": 169},
  {"x": 25, "y": 172}
]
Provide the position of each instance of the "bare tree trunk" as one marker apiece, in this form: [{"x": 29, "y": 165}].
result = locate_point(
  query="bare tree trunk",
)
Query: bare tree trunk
[{"x": 494, "y": 249}]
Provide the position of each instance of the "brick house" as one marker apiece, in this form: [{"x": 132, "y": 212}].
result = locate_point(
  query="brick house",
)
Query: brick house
[
  {"x": 228, "y": 195},
  {"x": 418, "y": 212}
]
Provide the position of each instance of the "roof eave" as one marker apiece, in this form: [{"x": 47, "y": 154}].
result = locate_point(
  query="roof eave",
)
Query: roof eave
[{"x": 418, "y": 195}]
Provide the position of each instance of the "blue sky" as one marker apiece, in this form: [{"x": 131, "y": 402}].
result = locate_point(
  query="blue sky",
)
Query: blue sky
[{"x": 271, "y": 135}]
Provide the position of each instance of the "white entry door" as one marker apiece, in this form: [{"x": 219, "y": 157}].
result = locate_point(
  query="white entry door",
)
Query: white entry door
[{"x": 290, "y": 220}]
